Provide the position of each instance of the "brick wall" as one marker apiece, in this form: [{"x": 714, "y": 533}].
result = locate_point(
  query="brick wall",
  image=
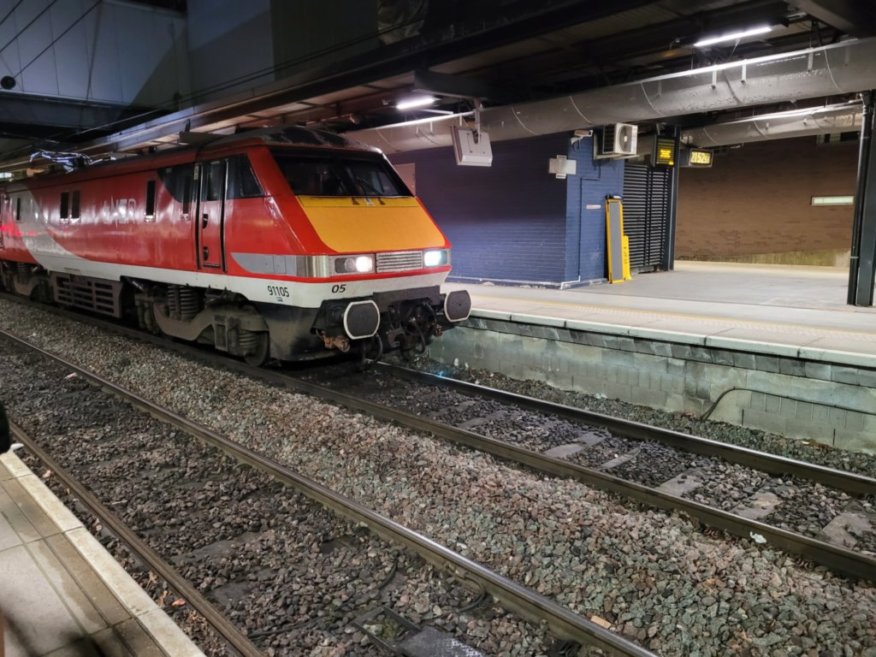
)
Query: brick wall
[
  {"x": 757, "y": 200},
  {"x": 507, "y": 221}
]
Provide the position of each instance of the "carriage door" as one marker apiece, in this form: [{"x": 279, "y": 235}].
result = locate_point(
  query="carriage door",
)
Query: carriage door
[{"x": 211, "y": 215}]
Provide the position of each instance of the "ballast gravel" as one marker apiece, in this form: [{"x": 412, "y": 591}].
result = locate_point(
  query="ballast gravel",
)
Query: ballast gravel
[
  {"x": 804, "y": 450},
  {"x": 289, "y": 573},
  {"x": 654, "y": 577},
  {"x": 802, "y": 506}
]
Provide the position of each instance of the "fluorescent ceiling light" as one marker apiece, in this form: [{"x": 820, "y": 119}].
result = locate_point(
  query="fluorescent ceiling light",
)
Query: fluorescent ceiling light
[
  {"x": 414, "y": 101},
  {"x": 833, "y": 200},
  {"x": 733, "y": 36}
]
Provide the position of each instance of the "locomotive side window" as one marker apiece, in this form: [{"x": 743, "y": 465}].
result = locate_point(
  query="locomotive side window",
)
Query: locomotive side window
[
  {"x": 187, "y": 192},
  {"x": 178, "y": 182},
  {"x": 214, "y": 183},
  {"x": 242, "y": 182},
  {"x": 339, "y": 175},
  {"x": 150, "y": 199},
  {"x": 17, "y": 208},
  {"x": 65, "y": 205},
  {"x": 74, "y": 205}
]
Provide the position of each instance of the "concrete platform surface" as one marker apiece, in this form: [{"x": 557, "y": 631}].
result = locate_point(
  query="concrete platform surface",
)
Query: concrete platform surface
[
  {"x": 788, "y": 310},
  {"x": 61, "y": 593}
]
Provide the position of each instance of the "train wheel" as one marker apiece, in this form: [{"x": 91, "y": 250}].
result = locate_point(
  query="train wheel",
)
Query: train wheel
[
  {"x": 258, "y": 355},
  {"x": 370, "y": 352}
]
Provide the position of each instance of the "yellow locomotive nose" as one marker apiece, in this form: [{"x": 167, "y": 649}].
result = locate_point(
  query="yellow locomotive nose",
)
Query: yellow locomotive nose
[{"x": 363, "y": 223}]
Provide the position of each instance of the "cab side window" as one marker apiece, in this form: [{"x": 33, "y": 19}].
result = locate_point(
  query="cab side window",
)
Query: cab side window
[
  {"x": 178, "y": 181},
  {"x": 242, "y": 182}
]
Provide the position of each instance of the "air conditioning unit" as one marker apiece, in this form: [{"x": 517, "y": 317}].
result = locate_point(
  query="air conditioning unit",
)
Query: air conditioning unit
[{"x": 615, "y": 140}]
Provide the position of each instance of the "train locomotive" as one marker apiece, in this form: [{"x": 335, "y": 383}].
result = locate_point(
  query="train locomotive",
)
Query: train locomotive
[{"x": 288, "y": 244}]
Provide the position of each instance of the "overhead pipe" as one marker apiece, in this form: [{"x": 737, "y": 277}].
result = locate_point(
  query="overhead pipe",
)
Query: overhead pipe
[
  {"x": 840, "y": 68},
  {"x": 845, "y": 117}
]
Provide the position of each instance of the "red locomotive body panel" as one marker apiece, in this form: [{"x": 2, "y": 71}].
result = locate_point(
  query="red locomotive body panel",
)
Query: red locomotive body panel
[{"x": 231, "y": 221}]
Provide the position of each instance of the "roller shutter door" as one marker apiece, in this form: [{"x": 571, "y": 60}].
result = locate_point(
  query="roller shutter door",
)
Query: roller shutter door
[{"x": 646, "y": 215}]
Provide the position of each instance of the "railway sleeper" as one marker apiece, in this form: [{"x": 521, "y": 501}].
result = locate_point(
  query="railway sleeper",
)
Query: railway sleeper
[{"x": 397, "y": 635}]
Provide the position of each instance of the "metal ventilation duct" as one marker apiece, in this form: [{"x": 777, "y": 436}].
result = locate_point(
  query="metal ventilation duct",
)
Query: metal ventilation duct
[
  {"x": 781, "y": 125},
  {"x": 840, "y": 68}
]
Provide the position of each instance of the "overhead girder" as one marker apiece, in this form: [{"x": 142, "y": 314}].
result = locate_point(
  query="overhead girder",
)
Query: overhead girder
[
  {"x": 854, "y": 17},
  {"x": 59, "y": 113},
  {"x": 459, "y": 86},
  {"x": 431, "y": 48}
]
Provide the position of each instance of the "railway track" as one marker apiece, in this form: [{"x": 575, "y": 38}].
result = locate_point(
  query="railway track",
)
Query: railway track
[
  {"x": 674, "y": 467},
  {"x": 668, "y": 493},
  {"x": 512, "y": 596},
  {"x": 371, "y": 407}
]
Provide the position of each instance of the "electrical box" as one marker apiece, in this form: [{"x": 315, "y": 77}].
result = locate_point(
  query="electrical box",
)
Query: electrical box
[
  {"x": 616, "y": 140},
  {"x": 561, "y": 166},
  {"x": 471, "y": 148}
]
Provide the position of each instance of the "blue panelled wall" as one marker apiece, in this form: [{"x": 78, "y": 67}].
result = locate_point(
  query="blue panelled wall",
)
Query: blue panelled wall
[
  {"x": 585, "y": 211},
  {"x": 515, "y": 222}
]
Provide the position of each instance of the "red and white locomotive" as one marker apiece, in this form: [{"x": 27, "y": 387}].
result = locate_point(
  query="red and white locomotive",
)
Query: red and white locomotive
[{"x": 276, "y": 243}]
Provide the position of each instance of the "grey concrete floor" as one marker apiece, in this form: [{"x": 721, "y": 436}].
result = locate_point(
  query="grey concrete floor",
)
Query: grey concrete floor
[{"x": 773, "y": 304}]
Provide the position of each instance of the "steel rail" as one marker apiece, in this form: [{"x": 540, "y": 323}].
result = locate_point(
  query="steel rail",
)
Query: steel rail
[
  {"x": 848, "y": 482},
  {"x": 841, "y": 560},
  {"x": 220, "y": 624},
  {"x": 562, "y": 621}
]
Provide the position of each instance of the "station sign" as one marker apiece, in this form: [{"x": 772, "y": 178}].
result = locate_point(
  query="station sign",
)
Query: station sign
[{"x": 697, "y": 158}]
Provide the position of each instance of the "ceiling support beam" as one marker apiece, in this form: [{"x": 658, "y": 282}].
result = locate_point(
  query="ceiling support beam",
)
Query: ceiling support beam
[
  {"x": 854, "y": 17},
  {"x": 457, "y": 86}
]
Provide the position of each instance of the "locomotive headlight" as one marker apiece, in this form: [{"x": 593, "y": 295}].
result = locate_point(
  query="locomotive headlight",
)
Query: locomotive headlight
[
  {"x": 354, "y": 264},
  {"x": 364, "y": 264},
  {"x": 435, "y": 257}
]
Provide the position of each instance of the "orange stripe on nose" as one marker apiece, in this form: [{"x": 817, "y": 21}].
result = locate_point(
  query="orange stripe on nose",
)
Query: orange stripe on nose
[{"x": 354, "y": 223}]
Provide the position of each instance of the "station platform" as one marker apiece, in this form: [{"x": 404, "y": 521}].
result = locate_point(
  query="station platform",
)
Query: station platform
[
  {"x": 61, "y": 593},
  {"x": 794, "y": 311}
]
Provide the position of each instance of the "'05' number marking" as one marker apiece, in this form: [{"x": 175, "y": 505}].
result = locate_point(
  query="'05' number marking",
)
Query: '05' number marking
[
  {"x": 339, "y": 289},
  {"x": 278, "y": 291}
]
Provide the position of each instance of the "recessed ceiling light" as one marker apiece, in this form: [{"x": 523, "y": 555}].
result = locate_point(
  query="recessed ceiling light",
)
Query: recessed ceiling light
[{"x": 733, "y": 36}]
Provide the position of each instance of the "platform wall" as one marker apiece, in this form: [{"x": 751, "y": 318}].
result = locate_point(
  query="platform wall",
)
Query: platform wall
[
  {"x": 803, "y": 394},
  {"x": 754, "y": 204}
]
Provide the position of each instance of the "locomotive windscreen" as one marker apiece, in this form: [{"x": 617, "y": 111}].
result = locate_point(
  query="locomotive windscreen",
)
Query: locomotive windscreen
[{"x": 339, "y": 175}]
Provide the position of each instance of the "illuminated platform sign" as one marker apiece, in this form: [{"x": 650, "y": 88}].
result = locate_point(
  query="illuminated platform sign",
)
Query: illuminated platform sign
[
  {"x": 697, "y": 158},
  {"x": 664, "y": 152}
]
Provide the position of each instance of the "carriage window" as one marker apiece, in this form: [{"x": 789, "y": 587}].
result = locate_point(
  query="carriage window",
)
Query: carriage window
[
  {"x": 150, "y": 198},
  {"x": 74, "y": 204},
  {"x": 65, "y": 205},
  {"x": 242, "y": 182},
  {"x": 17, "y": 208},
  {"x": 339, "y": 175}
]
